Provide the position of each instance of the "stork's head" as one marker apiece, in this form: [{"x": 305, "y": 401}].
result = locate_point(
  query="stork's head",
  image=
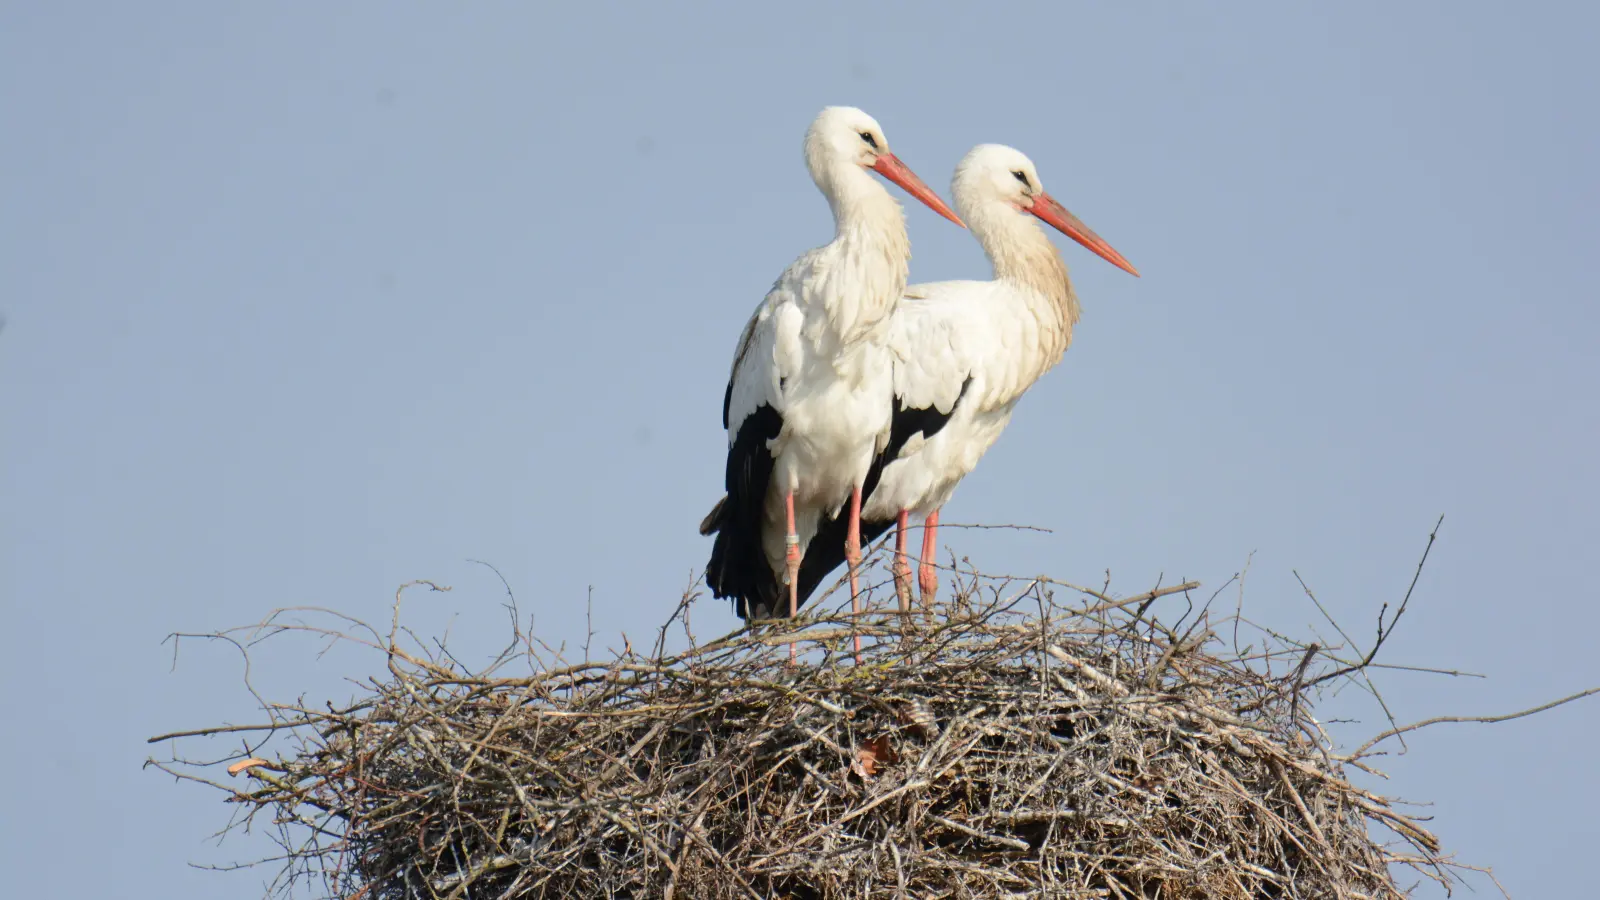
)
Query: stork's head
[
  {"x": 843, "y": 138},
  {"x": 994, "y": 178}
]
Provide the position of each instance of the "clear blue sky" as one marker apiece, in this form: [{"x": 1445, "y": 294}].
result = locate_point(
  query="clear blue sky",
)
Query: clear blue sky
[{"x": 303, "y": 301}]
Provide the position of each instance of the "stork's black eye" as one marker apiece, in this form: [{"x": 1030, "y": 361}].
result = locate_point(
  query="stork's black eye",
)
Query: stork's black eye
[
  {"x": 1022, "y": 177},
  {"x": 871, "y": 141}
]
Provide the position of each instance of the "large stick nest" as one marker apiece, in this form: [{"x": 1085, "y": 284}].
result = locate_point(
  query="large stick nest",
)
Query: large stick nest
[{"x": 1003, "y": 746}]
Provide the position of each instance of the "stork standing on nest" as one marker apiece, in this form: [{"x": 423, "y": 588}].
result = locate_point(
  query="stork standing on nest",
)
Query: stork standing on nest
[
  {"x": 964, "y": 353},
  {"x": 807, "y": 408}
]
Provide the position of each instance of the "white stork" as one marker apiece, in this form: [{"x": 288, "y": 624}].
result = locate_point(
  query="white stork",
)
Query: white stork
[
  {"x": 964, "y": 352},
  {"x": 808, "y": 403}
]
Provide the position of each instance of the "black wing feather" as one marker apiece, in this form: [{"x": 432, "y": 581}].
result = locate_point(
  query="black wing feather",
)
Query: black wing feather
[{"x": 738, "y": 566}]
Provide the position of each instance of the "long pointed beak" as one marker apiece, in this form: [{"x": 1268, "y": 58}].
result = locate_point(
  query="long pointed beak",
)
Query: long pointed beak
[
  {"x": 890, "y": 167},
  {"x": 1045, "y": 207}
]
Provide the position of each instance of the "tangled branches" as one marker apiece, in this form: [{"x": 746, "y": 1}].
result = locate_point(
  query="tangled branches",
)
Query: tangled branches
[{"x": 1007, "y": 745}]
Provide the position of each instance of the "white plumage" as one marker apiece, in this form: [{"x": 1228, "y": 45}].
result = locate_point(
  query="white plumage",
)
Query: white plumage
[
  {"x": 808, "y": 407},
  {"x": 964, "y": 352}
]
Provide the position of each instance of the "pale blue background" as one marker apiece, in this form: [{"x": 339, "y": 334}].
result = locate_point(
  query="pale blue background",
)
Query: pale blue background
[{"x": 307, "y": 300}]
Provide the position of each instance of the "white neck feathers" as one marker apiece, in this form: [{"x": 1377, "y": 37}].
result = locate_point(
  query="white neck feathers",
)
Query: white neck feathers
[
  {"x": 860, "y": 275},
  {"x": 1025, "y": 257}
]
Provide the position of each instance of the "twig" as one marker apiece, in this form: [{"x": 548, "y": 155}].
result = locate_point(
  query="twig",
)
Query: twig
[
  {"x": 1383, "y": 633},
  {"x": 1439, "y": 720},
  {"x": 1299, "y": 679}
]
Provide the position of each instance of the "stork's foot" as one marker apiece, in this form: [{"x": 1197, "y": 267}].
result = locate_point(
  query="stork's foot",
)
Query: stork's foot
[
  {"x": 927, "y": 575},
  {"x": 852, "y": 555},
  {"x": 902, "y": 564},
  {"x": 928, "y": 584},
  {"x": 902, "y": 582},
  {"x": 791, "y": 566},
  {"x": 855, "y": 605}
]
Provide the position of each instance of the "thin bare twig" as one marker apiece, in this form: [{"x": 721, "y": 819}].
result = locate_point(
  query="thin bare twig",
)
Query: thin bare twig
[{"x": 1439, "y": 720}]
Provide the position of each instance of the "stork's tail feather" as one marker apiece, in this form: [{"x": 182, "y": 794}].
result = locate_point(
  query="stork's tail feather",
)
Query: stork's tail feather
[
  {"x": 713, "y": 519},
  {"x": 738, "y": 568}
]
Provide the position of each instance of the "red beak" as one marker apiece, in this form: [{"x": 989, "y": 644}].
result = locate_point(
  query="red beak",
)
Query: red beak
[
  {"x": 890, "y": 167},
  {"x": 1045, "y": 207}
]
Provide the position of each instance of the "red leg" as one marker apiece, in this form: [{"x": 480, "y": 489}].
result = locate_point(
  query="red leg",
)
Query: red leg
[
  {"x": 791, "y": 560},
  {"x": 852, "y": 554},
  {"x": 902, "y": 565},
  {"x": 928, "y": 577}
]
